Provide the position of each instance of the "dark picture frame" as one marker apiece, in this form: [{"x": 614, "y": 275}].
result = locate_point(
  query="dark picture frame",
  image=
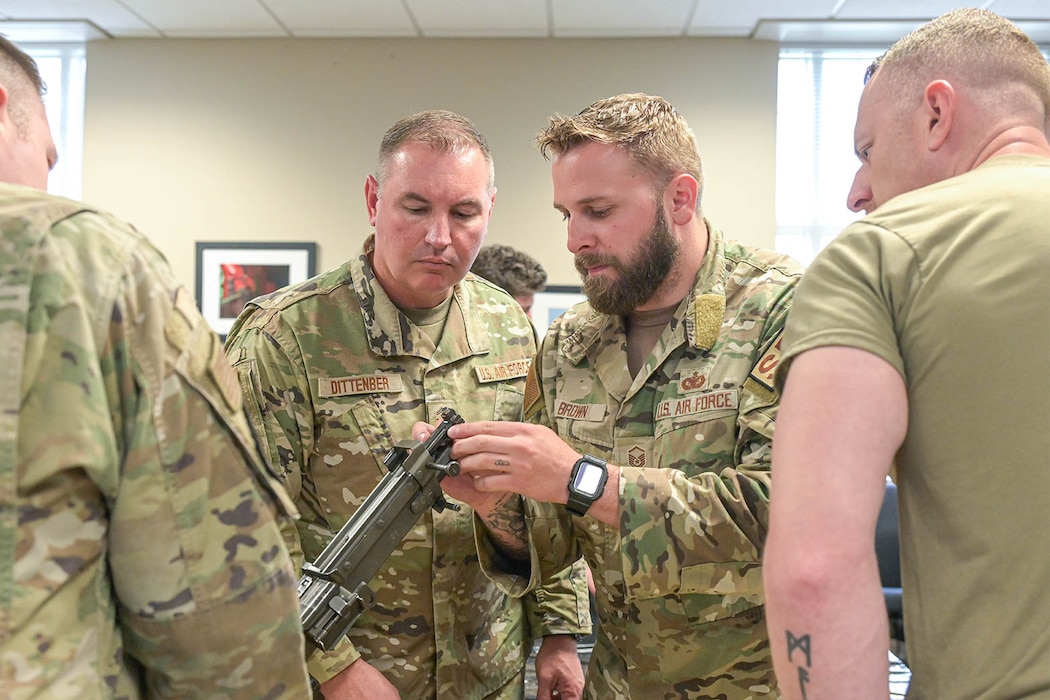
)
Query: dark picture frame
[{"x": 231, "y": 273}]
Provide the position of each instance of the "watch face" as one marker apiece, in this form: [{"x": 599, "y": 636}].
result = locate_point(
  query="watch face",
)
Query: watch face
[{"x": 588, "y": 479}]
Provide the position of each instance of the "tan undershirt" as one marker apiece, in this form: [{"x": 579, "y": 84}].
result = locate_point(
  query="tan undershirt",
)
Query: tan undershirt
[
  {"x": 431, "y": 322},
  {"x": 643, "y": 330}
]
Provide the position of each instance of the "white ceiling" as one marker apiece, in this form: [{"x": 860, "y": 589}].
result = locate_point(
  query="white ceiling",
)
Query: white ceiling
[{"x": 832, "y": 21}]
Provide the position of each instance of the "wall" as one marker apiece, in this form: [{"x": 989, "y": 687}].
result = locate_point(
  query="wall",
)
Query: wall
[{"x": 271, "y": 139}]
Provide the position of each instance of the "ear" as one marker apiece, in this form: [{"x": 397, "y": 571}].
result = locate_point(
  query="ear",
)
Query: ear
[
  {"x": 371, "y": 198},
  {"x": 5, "y": 106},
  {"x": 939, "y": 104},
  {"x": 682, "y": 191}
]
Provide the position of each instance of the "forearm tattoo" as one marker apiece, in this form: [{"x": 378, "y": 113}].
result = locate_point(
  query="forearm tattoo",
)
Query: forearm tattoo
[
  {"x": 506, "y": 522},
  {"x": 802, "y": 645}
]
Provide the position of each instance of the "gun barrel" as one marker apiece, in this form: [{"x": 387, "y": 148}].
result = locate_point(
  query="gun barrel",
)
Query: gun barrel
[{"x": 333, "y": 590}]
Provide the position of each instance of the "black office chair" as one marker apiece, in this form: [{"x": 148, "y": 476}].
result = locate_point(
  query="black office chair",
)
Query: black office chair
[{"x": 888, "y": 553}]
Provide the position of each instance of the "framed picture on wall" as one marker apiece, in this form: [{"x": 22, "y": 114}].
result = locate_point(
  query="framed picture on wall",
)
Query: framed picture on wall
[
  {"x": 552, "y": 302},
  {"x": 230, "y": 274}
]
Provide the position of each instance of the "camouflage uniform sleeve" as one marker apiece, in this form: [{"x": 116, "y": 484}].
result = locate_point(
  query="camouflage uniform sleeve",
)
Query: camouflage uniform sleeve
[
  {"x": 555, "y": 599},
  {"x": 271, "y": 413},
  {"x": 552, "y": 537},
  {"x": 207, "y": 592},
  {"x": 277, "y": 398},
  {"x": 561, "y": 604},
  {"x": 554, "y": 590}
]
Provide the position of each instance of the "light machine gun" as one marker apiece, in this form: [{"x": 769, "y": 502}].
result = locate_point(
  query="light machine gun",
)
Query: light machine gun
[{"x": 333, "y": 591}]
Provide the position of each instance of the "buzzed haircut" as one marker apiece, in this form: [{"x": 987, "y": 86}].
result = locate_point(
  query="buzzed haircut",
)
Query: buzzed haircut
[
  {"x": 444, "y": 131},
  {"x": 646, "y": 127},
  {"x": 513, "y": 270},
  {"x": 16, "y": 63},
  {"x": 973, "y": 47},
  {"x": 20, "y": 76}
]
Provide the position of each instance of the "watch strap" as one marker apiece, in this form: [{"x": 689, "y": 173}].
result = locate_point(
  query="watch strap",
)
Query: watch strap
[{"x": 578, "y": 503}]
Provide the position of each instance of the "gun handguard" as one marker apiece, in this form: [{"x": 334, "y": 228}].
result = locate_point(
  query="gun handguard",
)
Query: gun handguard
[{"x": 333, "y": 591}]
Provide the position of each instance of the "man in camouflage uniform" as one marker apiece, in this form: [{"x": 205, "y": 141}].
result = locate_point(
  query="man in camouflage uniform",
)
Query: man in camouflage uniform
[
  {"x": 665, "y": 373},
  {"x": 339, "y": 368},
  {"x": 142, "y": 555}
]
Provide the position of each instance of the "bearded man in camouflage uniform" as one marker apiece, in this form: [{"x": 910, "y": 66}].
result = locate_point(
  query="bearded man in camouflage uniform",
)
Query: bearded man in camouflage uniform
[
  {"x": 339, "y": 368},
  {"x": 142, "y": 557},
  {"x": 665, "y": 373}
]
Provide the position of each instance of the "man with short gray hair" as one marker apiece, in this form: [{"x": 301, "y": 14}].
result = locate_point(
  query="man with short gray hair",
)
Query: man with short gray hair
[{"x": 339, "y": 368}]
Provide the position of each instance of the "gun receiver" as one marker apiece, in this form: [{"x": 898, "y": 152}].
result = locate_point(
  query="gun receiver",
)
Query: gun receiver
[{"x": 333, "y": 590}]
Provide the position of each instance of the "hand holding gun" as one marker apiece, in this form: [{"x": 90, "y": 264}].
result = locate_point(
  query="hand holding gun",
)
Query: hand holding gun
[{"x": 333, "y": 591}]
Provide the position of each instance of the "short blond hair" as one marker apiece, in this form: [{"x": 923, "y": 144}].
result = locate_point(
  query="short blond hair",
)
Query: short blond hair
[
  {"x": 976, "y": 48},
  {"x": 648, "y": 128}
]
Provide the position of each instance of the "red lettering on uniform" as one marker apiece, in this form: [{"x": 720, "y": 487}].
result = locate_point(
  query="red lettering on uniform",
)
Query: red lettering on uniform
[{"x": 569, "y": 410}]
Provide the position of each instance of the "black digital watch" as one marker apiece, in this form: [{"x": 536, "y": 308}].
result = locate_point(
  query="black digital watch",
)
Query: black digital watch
[{"x": 586, "y": 484}]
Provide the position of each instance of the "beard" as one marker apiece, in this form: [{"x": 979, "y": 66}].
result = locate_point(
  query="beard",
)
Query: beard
[{"x": 636, "y": 280}]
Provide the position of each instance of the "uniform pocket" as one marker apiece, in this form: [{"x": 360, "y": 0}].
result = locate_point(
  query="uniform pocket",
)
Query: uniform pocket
[
  {"x": 508, "y": 403},
  {"x": 711, "y": 592}
]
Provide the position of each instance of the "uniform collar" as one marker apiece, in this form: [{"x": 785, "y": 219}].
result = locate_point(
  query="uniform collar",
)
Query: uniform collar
[
  {"x": 390, "y": 333},
  {"x": 698, "y": 319}
]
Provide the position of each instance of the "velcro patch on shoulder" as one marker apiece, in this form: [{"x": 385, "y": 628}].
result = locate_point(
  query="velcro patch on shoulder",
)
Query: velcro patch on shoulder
[
  {"x": 533, "y": 402},
  {"x": 503, "y": 371},
  {"x": 179, "y": 326},
  {"x": 226, "y": 378},
  {"x": 766, "y": 369},
  {"x": 185, "y": 305}
]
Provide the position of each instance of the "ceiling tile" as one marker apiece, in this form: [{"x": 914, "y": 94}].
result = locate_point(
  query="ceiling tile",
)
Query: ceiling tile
[
  {"x": 895, "y": 9},
  {"x": 504, "y": 18},
  {"x": 876, "y": 34},
  {"x": 50, "y": 31},
  {"x": 108, "y": 15},
  {"x": 378, "y": 18},
  {"x": 203, "y": 18},
  {"x": 594, "y": 18},
  {"x": 516, "y": 18},
  {"x": 740, "y": 18}
]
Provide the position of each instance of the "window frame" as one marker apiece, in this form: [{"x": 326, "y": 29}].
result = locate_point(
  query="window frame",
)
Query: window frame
[
  {"x": 808, "y": 218},
  {"x": 64, "y": 103}
]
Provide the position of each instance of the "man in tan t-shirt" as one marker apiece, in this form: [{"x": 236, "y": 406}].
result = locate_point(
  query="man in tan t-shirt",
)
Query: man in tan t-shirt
[{"x": 920, "y": 336}]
